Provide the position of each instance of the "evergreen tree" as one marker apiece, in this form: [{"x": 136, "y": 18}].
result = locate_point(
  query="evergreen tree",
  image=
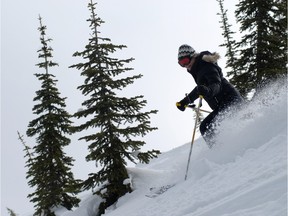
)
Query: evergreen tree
[
  {"x": 11, "y": 212},
  {"x": 49, "y": 169},
  {"x": 228, "y": 36},
  {"x": 119, "y": 120},
  {"x": 261, "y": 54}
]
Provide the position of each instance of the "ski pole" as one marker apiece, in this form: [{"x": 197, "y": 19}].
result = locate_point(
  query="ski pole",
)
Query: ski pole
[
  {"x": 193, "y": 136},
  {"x": 192, "y": 106},
  {"x": 201, "y": 110}
]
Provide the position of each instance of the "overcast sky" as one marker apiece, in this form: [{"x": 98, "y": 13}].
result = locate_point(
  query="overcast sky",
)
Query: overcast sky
[{"x": 152, "y": 31}]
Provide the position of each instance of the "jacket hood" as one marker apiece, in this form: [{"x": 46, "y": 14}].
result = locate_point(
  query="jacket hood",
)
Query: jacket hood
[
  {"x": 211, "y": 57},
  {"x": 203, "y": 57}
]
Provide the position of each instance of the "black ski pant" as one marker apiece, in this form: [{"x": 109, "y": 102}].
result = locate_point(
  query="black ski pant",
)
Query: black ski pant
[{"x": 207, "y": 129}]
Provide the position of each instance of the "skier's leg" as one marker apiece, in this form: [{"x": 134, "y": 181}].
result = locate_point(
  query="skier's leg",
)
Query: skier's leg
[{"x": 207, "y": 130}]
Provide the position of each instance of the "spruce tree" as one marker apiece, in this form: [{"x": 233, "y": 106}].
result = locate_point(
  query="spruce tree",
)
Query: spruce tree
[
  {"x": 49, "y": 170},
  {"x": 261, "y": 54},
  {"x": 117, "y": 122},
  {"x": 11, "y": 212},
  {"x": 229, "y": 42}
]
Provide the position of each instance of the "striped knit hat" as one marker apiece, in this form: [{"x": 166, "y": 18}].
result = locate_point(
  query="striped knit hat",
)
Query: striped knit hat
[{"x": 185, "y": 51}]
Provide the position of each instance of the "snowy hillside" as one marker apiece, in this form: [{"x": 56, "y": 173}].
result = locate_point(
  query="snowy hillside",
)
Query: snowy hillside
[{"x": 244, "y": 175}]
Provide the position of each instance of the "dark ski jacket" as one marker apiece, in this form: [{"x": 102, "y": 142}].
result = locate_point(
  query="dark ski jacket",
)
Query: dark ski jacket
[{"x": 206, "y": 72}]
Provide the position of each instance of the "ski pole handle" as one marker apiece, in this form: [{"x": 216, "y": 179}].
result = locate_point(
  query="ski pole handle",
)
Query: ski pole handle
[{"x": 200, "y": 102}]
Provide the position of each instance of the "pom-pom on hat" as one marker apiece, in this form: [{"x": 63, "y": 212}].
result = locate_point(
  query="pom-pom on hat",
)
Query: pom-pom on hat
[{"x": 185, "y": 51}]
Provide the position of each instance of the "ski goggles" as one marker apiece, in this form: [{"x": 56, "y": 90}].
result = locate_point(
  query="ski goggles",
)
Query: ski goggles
[{"x": 184, "y": 61}]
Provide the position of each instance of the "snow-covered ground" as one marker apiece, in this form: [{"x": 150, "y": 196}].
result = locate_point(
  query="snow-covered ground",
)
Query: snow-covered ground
[{"x": 245, "y": 174}]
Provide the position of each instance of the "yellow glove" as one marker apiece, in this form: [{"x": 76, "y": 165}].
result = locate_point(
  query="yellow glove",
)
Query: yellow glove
[{"x": 180, "y": 106}]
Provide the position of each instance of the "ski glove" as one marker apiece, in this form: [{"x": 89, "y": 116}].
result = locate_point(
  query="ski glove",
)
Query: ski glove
[
  {"x": 180, "y": 106},
  {"x": 203, "y": 90}
]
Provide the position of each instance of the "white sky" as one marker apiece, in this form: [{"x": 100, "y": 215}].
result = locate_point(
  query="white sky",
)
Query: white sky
[{"x": 152, "y": 31}]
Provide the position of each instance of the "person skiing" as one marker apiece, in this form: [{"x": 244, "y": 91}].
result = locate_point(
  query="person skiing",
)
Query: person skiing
[{"x": 215, "y": 89}]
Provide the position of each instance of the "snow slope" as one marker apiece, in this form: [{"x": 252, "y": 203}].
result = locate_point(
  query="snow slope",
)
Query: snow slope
[{"x": 245, "y": 174}]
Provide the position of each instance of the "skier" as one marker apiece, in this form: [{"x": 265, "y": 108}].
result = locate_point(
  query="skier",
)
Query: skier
[{"x": 216, "y": 90}]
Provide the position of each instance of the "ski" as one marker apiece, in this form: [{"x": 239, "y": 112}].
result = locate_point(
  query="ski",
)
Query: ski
[{"x": 156, "y": 191}]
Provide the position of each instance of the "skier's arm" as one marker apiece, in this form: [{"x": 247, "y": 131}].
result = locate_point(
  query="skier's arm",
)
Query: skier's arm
[
  {"x": 213, "y": 86},
  {"x": 193, "y": 95}
]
